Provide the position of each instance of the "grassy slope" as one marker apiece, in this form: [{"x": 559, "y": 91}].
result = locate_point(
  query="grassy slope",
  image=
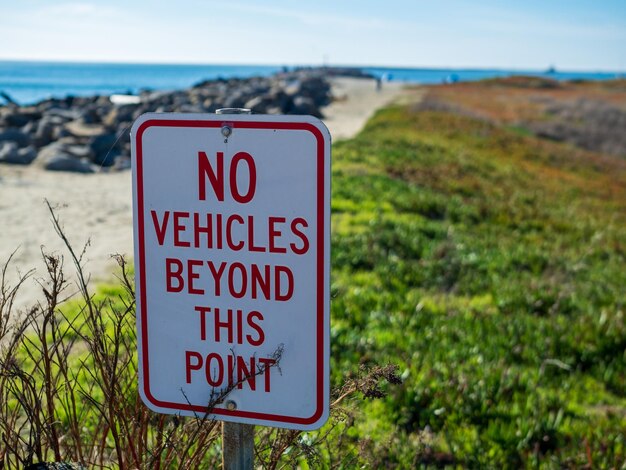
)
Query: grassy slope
[
  {"x": 491, "y": 267},
  {"x": 591, "y": 115}
]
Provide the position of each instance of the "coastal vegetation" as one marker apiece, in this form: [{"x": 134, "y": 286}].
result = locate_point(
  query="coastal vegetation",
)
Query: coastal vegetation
[
  {"x": 489, "y": 264},
  {"x": 478, "y": 313}
]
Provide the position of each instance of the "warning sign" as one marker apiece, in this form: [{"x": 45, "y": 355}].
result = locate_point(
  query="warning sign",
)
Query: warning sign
[{"x": 232, "y": 250}]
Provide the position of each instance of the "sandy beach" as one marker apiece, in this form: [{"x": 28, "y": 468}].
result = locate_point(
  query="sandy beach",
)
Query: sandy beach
[{"x": 96, "y": 209}]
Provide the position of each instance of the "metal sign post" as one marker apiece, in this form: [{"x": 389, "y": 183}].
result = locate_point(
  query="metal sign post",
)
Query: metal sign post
[
  {"x": 237, "y": 439},
  {"x": 237, "y": 446}
]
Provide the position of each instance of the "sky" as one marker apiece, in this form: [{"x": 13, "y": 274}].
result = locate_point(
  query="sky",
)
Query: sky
[{"x": 524, "y": 35}]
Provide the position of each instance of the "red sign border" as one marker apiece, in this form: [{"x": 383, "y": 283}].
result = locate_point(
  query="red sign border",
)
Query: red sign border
[{"x": 320, "y": 284}]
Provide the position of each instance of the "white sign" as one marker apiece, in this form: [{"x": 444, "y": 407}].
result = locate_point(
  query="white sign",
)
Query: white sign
[{"x": 232, "y": 256}]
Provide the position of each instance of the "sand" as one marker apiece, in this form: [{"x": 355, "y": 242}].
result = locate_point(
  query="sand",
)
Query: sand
[{"x": 96, "y": 209}]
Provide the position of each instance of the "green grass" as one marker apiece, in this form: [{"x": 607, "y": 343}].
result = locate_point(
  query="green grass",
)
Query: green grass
[{"x": 490, "y": 266}]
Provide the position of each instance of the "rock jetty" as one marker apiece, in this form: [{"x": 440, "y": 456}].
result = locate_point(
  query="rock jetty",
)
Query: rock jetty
[{"x": 91, "y": 134}]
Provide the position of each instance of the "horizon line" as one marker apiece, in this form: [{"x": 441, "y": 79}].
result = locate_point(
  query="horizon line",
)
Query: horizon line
[{"x": 354, "y": 66}]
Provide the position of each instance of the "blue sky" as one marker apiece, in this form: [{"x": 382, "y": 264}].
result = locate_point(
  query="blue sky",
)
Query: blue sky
[{"x": 529, "y": 34}]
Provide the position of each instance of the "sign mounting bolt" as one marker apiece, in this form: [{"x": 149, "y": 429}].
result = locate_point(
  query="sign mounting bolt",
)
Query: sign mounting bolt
[
  {"x": 231, "y": 405},
  {"x": 227, "y": 131}
]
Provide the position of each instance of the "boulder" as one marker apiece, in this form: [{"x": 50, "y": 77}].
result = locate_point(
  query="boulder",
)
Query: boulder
[
  {"x": 256, "y": 105},
  {"x": 60, "y": 132},
  {"x": 11, "y": 153},
  {"x": 119, "y": 114},
  {"x": 190, "y": 108},
  {"x": 57, "y": 157},
  {"x": 305, "y": 105},
  {"x": 79, "y": 151},
  {"x": 30, "y": 127},
  {"x": 208, "y": 105},
  {"x": 47, "y": 129},
  {"x": 84, "y": 133},
  {"x": 8, "y": 152},
  {"x": 180, "y": 99},
  {"x": 79, "y": 129},
  {"x": 65, "y": 163},
  {"x": 139, "y": 110},
  {"x": 90, "y": 115},
  {"x": 105, "y": 148},
  {"x": 26, "y": 155},
  {"x": 121, "y": 162},
  {"x": 292, "y": 88},
  {"x": 65, "y": 114},
  {"x": 236, "y": 99},
  {"x": 317, "y": 89},
  {"x": 20, "y": 118},
  {"x": 19, "y": 137},
  {"x": 274, "y": 110}
]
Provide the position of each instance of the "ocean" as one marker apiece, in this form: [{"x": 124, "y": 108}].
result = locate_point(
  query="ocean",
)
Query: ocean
[{"x": 29, "y": 82}]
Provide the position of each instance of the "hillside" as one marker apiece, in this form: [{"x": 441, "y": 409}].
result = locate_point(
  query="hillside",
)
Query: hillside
[
  {"x": 490, "y": 265},
  {"x": 588, "y": 114}
]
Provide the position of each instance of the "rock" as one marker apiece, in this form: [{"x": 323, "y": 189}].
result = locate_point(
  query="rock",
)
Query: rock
[
  {"x": 121, "y": 162},
  {"x": 65, "y": 163},
  {"x": 43, "y": 133},
  {"x": 60, "y": 132},
  {"x": 57, "y": 157},
  {"x": 65, "y": 114},
  {"x": 317, "y": 89},
  {"x": 180, "y": 99},
  {"x": 30, "y": 127},
  {"x": 235, "y": 100},
  {"x": 271, "y": 99},
  {"x": 17, "y": 136},
  {"x": 292, "y": 88},
  {"x": 274, "y": 110},
  {"x": 152, "y": 97},
  {"x": 80, "y": 129},
  {"x": 79, "y": 151},
  {"x": 84, "y": 133},
  {"x": 279, "y": 98},
  {"x": 304, "y": 105},
  {"x": 26, "y": 155},
  {"x": 119, "y": 114},
  {"x": 8, "y": 152},
  {"x": 189, "y": 108},
  {"x": 20, "y": 118},
  {"x": 46, "y": 129},
  {"x": 105, "y": 148},
  {"x": 123, "y": 134},
  {"x": 90, "y": 115},
  {"x": 11, "y": 153},
  {"x": 138, "y": 112},
  {"x": 55, "y": 148},
  {"x": 256, "y": 104},
  {"x": 196, "y": 97}
]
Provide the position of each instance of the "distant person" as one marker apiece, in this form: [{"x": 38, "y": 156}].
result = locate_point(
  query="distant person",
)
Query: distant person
[{"x": 379, "y": 84}]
